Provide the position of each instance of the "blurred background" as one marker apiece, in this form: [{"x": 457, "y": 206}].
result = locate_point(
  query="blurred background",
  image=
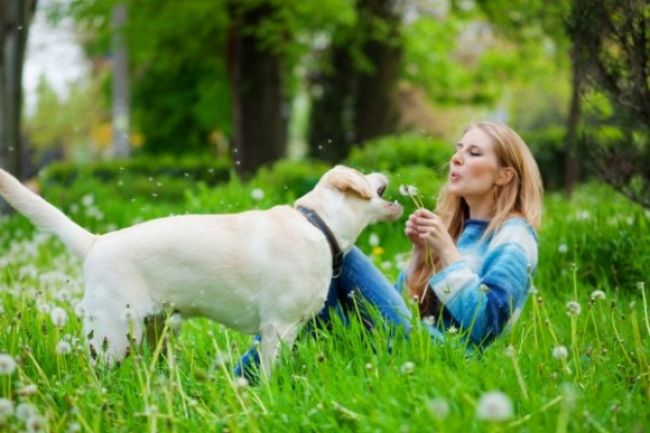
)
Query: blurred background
[{"x": 208, "y": 89}]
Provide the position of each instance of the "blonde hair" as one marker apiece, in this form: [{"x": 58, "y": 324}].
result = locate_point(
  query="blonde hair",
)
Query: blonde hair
[{"x": 522, "y": 196}]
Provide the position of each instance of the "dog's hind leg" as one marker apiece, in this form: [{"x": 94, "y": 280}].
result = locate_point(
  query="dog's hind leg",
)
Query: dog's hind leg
[{"x": 273, "y": 336}]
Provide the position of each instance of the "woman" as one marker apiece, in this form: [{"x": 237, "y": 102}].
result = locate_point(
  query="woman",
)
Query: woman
[{"x": 472, "y": 258}]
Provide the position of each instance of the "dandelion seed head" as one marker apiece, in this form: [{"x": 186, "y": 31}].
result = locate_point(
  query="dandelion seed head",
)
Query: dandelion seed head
[
  {"x": 7, "y": 364},
  {"x": 438, "y": 407},
  {"x": 175, "y": 321},
  {"x": 562, "y": 249},
  {"x": 241, "y": 383},
  {"x": 573, "y": 308},
  {"x": 407, "y": 368},
  {"x": 560, "y": 352},
  {"x": 24, "y": 411},
  {"x": 373, "y": 240},
  {"x": 257, "y": 194},
  {"x": 63, "y": 347},
  {"x": 510, "y": 351},
  {"x": 494, "y": 406},
  {"x": 597, "y": 295},
  {"x": 27, "y": 390},
  {"x": 59, "y": 317},
  {"x": 6, "y": 408},
  {"x": 35, "y": 424},
  {"x": 429, "y": 320},
  {"x": 408, "y": 190},
  {"x": 452, "y": 330}
]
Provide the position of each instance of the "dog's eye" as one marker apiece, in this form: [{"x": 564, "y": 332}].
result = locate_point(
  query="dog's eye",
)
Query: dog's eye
[{"x": 381, "y": 190}]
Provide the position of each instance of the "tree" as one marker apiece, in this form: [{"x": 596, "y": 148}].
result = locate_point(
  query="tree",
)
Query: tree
[
  {"x": 15, "y": 17},
  {"x": 612, "y": 40}
]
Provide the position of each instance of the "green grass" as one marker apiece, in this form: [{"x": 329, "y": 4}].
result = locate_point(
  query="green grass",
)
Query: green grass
[{"x": 346, "y": 379}]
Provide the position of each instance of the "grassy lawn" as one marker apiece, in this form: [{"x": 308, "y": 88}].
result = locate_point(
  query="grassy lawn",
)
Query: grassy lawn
[{"x": 586, "y": 371}]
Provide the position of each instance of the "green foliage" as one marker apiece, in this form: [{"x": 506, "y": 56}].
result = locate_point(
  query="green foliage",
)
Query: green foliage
[
  {"x": 344, "y": 378},
  {"x": 390, "y": 153},
  {"x": 547, "y": 146}
]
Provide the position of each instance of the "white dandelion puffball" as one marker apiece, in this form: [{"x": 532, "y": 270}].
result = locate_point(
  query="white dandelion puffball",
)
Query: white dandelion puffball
[
  {"x": 408, "y": 190},
  {"x": 36, "y": 424},
  {"x": 494, "y": 406},
  {"x": 562, "y": 249},
  {"x": 560, "y": 352},
  {"x": 59, "y": 317},
  {"x": 63, "y": 348},
  {"x": 24, "y": 411},
  {"x": 510, "y": 351},
  {"x": 6, "y": 408},
  {"x": 407, "y": 368},
  {"x": 573, "y": 308},
  {"x": 439, "y": 407},
  {"x": 373, "y": 240},
  {"x": 174, "y": 321},
  {"x": 597, "y": 295},
  {"x": 7, "y": 364},
  {"x": 257, "y": 194},
  {"x": 241, "y": 383}
]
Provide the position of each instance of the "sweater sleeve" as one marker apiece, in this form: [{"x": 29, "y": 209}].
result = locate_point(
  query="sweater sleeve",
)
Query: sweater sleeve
[{"x": 483, "y": 302}]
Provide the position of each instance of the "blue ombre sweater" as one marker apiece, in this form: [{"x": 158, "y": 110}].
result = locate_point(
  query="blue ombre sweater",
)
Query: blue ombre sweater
[{"x": 484, "y": 291}]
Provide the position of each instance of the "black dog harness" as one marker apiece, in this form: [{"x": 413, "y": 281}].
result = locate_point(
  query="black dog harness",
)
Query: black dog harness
[{"x": 337, "y": 254}]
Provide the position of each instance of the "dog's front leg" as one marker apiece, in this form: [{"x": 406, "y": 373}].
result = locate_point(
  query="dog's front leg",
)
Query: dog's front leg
[{"x": 273, "y": 336}]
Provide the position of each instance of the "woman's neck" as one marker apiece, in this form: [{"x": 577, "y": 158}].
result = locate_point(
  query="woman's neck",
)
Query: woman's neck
[{"x": 480, "y": 208}]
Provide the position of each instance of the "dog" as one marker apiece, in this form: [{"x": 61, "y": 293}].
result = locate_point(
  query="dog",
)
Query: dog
[{"x": 261, "y": 272}]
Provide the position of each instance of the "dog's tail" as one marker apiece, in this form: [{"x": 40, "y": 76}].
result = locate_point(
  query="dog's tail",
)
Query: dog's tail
[{"x": 45, "y": 216}]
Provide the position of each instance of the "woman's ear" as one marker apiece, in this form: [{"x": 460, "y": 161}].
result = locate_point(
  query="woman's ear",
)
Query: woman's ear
[{"x": 504, "y": 176}]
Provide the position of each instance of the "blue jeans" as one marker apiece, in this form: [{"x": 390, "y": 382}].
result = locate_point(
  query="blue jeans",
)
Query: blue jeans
[{"x": 359, "y": 278}]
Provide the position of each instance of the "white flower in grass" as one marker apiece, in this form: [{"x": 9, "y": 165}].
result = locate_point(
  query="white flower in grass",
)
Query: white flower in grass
[
  {"x": 43, "y": 307},
  {"x": 373, "y": 240},
  {"x": 452, "y": 330},
  {"x": 73, "y": 427},
  {"x": 510, "y": 351},
  {"x": 407, "y": 368},
  {"x": 573, "y": 308},
  {"x": 87, "y": 200},
  {"x": 26, "y": 390},
  {"x": 583, "y": 215},
  {"x": 408, "y": 190},
  {"x": 439, "y": 407},
  {"x": 494, "y": 406},
  {"x": 6, "y": 408},
  {"x": 59, "y": 317},
  {"x": 560, "y": 352},
  {"x": 7, "y": 364},
  {"x": 24, "y": 411},
  {"x": 562, "y": 249},
  {"x": 257, "y": 194},
  {"x": 175, "y": 321},
  {"x": 241, "y": 383},
  {"x": 79, "y": 309},
  {"x": 597, "y": 295},
  {"x": 36, "y": 424},
  {"x": 63, "y": 347}
]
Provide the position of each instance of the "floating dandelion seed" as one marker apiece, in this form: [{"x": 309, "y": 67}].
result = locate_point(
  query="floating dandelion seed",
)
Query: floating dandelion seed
[
  {"x": 438, "y": 407},
  {"x": 407, "y": 368},
  {"x": 59, "y": 317},
  {"x": 257, "y": 194},
  {"x": 560, "y": 352},
  {"x": 562, "y": 249},
  {"x": 597, "y": 295},
  {"x": 573, "y": 308},
  {"x": 494, "y": 406},
  {"x": 7, "y": 364}
]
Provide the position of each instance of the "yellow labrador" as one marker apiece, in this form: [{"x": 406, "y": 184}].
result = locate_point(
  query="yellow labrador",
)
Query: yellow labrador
[{"x": 260, "y": 271}]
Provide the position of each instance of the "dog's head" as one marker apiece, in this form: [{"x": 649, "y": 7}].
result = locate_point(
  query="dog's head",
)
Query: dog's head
[
  {"x": 348, "y": 201},
  {"x": 365, "y": 192}
]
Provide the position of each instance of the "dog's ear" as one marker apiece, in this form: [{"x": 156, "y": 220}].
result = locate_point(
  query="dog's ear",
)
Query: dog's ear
[{"x": 350, "y": 180}]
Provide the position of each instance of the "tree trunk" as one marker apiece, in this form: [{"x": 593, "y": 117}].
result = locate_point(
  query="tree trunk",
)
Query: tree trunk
[
  {"x": 121, "y": 146},
  {"x": 376, "y": 103},
  {"x": 571, "y": 161},
  {"x": 15, "y": 16},
  {"x": 331, "y": 132},
  {"x": 260, "y": 109}
]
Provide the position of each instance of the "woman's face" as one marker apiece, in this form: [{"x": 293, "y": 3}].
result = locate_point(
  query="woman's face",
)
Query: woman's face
[{"x": 474, "y": 167}]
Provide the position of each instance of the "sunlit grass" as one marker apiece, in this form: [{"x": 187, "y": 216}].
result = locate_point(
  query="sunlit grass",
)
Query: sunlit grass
[{"x": 559, "y": 372}]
